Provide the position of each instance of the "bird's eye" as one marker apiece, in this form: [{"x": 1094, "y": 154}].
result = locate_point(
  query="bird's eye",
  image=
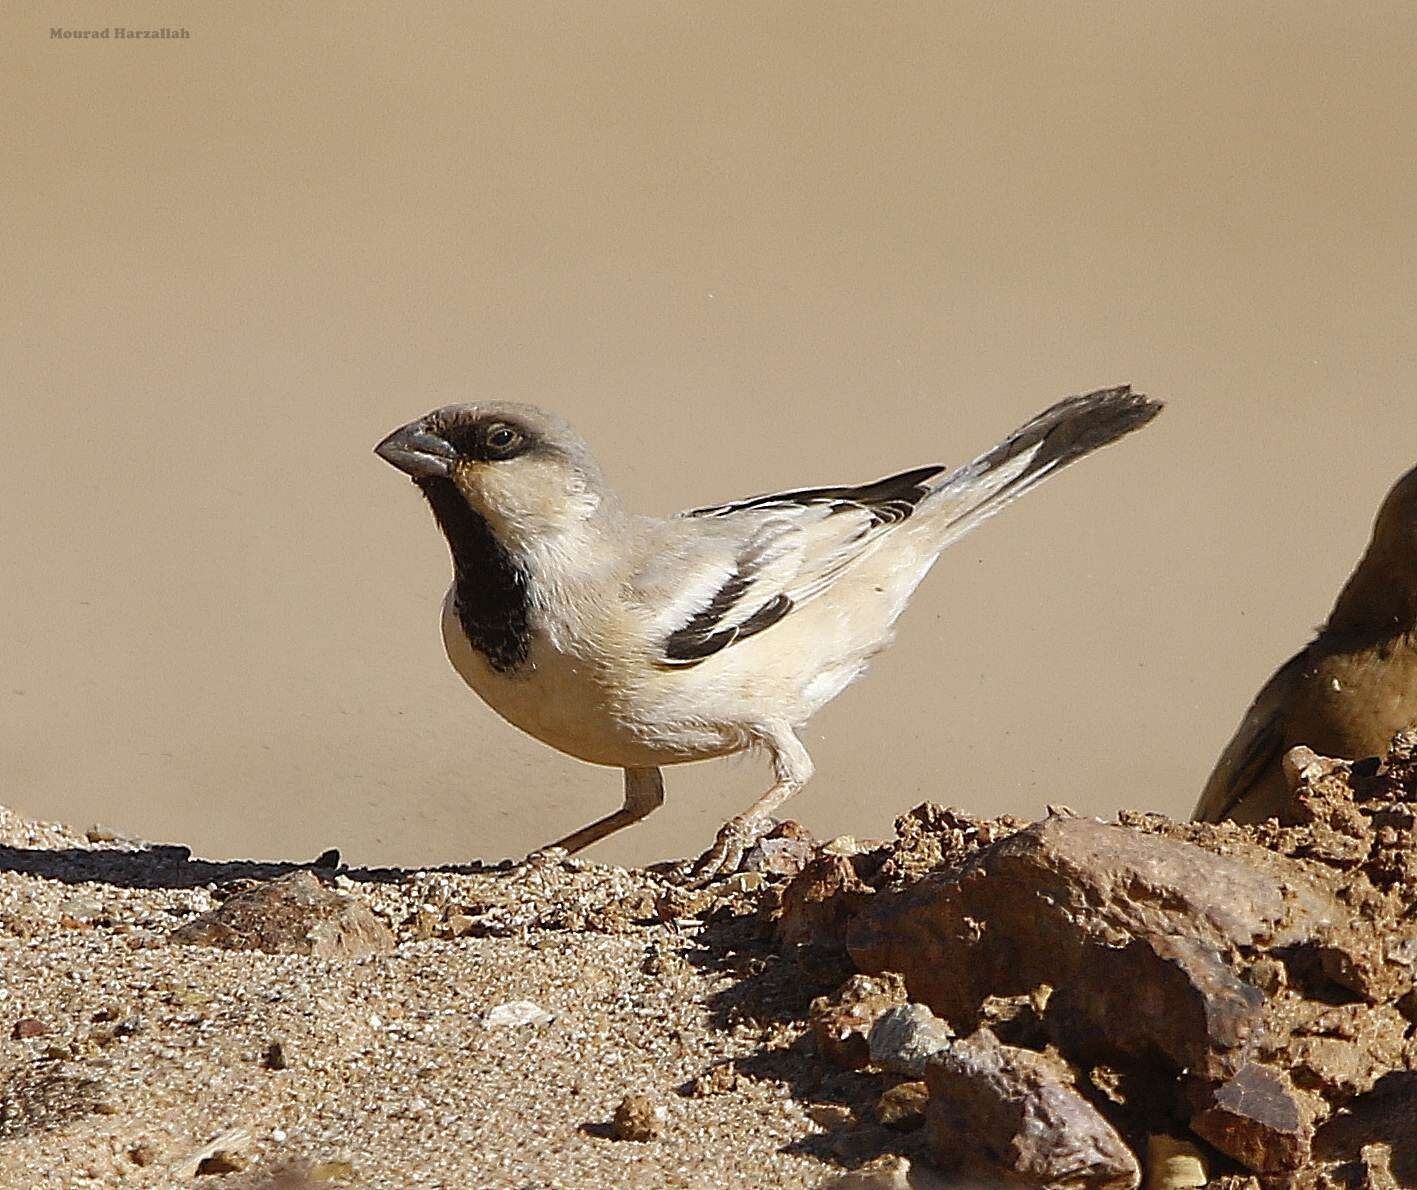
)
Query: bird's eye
[{"x": 502, "y": 438}]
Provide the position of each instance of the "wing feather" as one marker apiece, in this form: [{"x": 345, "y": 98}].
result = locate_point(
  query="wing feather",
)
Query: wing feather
[
  {"x": 1257, "y": 746},
  {"x": 791, "y": 547}
]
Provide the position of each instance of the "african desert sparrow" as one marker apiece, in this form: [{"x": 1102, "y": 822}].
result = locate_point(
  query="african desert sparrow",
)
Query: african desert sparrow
[{"x": 638, "y": 642}]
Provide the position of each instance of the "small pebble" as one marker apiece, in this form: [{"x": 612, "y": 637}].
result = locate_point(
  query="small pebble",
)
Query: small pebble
[
  {"x": 516, "y": 1012},
  {"x": 222, "y": 1161},
  {"x": 639, "y": 1118}
]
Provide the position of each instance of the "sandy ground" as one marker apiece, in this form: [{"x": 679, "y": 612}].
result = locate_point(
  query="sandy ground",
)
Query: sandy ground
[{"x": 145, "y": 1051}]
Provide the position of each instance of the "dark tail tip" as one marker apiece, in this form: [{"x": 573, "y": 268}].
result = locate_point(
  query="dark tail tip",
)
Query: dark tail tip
[{"x": 1077, "y": 426}]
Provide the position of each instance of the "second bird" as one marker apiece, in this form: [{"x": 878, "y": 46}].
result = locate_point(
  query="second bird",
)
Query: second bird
[
  {"x": 640, "y": 642},
  {"x": 1349, "y": 691}
]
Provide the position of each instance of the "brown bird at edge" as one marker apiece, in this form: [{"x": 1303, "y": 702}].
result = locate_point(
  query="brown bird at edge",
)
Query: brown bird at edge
[{"x": 1349, "y": 691}]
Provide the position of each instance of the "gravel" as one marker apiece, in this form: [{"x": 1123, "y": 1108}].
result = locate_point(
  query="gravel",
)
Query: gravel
[{"x": 127, "y": 1059}]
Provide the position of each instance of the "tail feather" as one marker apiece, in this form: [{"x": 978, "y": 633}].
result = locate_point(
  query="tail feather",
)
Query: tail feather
[{"x": 1058, "y": 436}]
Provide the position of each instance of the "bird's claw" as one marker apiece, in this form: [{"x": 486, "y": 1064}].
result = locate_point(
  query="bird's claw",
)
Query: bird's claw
[{"x": 733, "y": 841}]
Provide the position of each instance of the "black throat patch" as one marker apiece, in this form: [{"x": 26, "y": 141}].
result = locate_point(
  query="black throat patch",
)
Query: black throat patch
[{"x": 489, "y": 587}]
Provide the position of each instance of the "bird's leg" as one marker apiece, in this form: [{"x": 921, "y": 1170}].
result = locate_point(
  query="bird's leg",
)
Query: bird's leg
[
  {"x": 792, "y": 768},
  {"x": 644, "y": 792}
]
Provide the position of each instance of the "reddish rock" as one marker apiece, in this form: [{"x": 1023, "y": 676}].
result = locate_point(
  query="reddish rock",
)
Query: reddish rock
[
  {"x": 28, "y": 1027},
  {"x": 841, "y": 1022},
  {"x": 1024, "y": 911},
  {"x": 1017, "y": 1110},
  {"x": 779, "y": 856},
  {"x": 902, "y": 1107},
  {"x": 1160, "y": 997},
  {"x": 1258, "y": 1118},
  {"x": 295, "y": 914},
  {"x": 820, "y": 901},
  {"x": 639, "y": 1118}
]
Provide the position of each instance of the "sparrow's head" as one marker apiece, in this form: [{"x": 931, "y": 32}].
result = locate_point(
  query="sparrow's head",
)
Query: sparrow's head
[
  {"x": 525, "y": 471},
  {"x": 1382, "y": 593},
  {"x": 1396, "y": 525}
]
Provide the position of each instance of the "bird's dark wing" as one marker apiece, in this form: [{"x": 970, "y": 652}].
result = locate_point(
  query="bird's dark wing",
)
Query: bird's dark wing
[
  {"x": 887, "y": 500},
  {"x": 1257, "y": 746},
  {"x": 788, "y": 548}
]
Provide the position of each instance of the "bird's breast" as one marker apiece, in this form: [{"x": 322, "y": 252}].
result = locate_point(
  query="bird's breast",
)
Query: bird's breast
[
  {"x": 1354, "y": 702},
  {"x": 567, "y": 700}
]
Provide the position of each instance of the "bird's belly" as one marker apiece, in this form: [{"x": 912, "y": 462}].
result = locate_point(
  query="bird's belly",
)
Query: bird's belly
[{"x": 563, "y": 702}]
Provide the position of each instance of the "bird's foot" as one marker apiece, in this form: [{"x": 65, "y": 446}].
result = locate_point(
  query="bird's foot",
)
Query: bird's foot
[{"x": 734, "y": 839}]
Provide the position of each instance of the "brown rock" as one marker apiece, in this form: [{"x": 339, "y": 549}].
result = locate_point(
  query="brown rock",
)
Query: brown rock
[
  {"x": 1017, "y": 1111},
  {"x": 905, "y": 1037},
  {"x": 1383, "y": 1119},
  {"x": 1174, "y": 1164},
  {"x": 820, "y": 901},
  {"x": 1364, "y": 958},
  {"x": 28, "y": 1027},
  {"x": 295, "y": 914},
  {"x": 779, "y": 856},
  {"x": 1163, "y": 996},
  {"x": 1022, "y": 911},
  {"x": 841, "y": 1022},
  {"x": 831, "y": 1116},
  {"x": 902, "y": 1107},
  {"x": 1259, "y": 1119},
  {"x": 638, "y": 1118}
]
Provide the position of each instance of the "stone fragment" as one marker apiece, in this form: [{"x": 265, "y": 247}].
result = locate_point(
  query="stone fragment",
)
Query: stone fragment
[
  {"x": 741, "y": 882},
  {"x": 1361, "y": 957},
  {"x": 1259, "y": 1119},
  {"x": 1343, "y": 1051},
  {"x": 902, "y": 1107},
  {"x": 1157, "y": 995},
  {"x": 639, "y": 1118},
  {"x": 779, "y": 856},
  {"x": 831, "y": 1116},
  {"x": 275, "y": 1058},
  {"x": 515, "y": 1013},
  {"x": 28, "y": 1027},
  {"x": 331, "y": 1171},
  {"x": 294, "y": 914},
  {"x": 905, "y": 1037},
  {"x": 1174, "y": 1164},
  {"x": 820, "y": 901},
  {"x": 1018, "y": 1109},
  {"x": 841, "y": 1022},
  {"x": 1377, "y": 1130}
]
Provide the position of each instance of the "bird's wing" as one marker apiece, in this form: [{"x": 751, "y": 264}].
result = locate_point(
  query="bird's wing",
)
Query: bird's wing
[
  {"x": 1257, "y": 745},
  {"x": 728, "y": 572}
]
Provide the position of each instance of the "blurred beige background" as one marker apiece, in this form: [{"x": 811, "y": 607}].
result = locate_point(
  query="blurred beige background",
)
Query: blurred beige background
[{"x": 740, "y": 246}]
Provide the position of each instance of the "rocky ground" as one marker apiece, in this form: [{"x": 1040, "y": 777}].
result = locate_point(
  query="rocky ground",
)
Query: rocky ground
[{"x": 975, "y": 1003}]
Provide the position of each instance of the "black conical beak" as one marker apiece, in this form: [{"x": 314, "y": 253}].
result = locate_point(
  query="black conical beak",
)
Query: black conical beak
[{"x": 418, "y": 452}]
